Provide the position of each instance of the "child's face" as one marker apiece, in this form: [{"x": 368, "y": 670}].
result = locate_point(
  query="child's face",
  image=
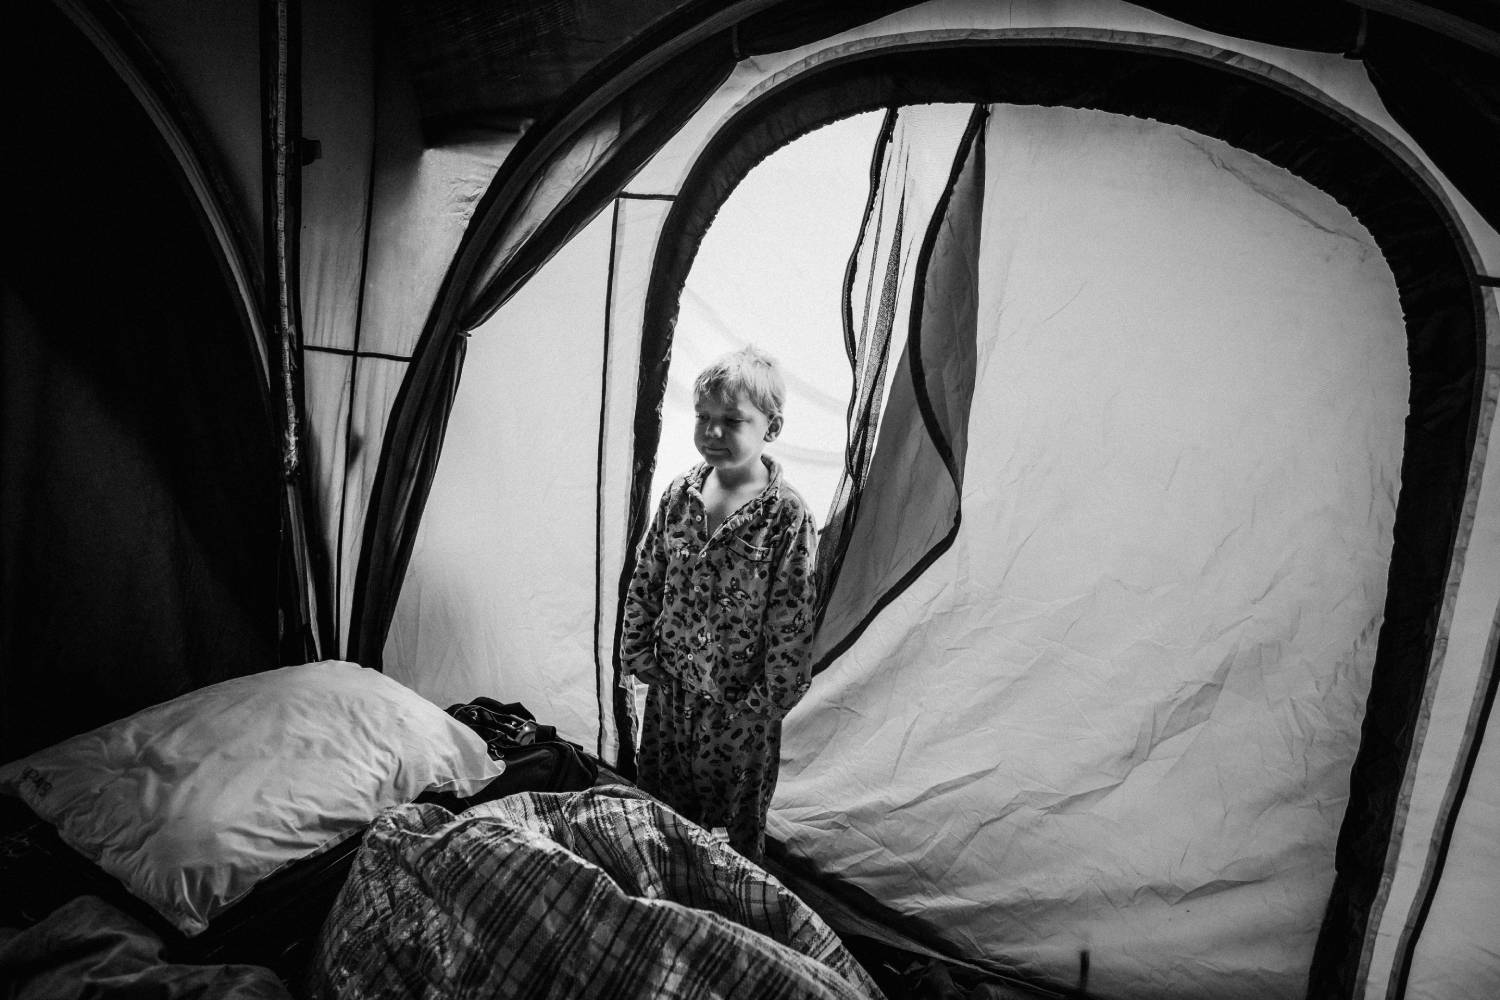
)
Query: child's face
[{"x": 730, "y": 434}]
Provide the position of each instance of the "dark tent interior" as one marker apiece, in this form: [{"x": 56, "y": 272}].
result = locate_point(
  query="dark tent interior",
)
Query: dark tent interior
[{"x": 348, "y": 332}]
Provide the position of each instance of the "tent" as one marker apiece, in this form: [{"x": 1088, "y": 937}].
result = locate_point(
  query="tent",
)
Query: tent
[{"x": 1160, "y": 560}]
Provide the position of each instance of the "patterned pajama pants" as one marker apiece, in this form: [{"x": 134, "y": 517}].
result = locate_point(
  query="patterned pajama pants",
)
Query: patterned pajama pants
[{"x": 713, "y": 770}]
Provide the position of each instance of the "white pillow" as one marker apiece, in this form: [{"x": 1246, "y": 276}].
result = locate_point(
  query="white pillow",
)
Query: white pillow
[{"x": 190, "y": 803}]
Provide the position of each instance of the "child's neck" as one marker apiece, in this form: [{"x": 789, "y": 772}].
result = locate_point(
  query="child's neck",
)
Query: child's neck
[
  {"x": 751, "y": 476},
  {"x": 723, "y": 494}
]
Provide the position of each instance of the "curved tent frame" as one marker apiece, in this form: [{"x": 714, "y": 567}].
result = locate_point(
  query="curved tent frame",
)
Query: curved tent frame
[
  {"x": 629, "y": 104},
  {"x": 1217, "y": 92},
  {"x": 1365, "y": 169}
]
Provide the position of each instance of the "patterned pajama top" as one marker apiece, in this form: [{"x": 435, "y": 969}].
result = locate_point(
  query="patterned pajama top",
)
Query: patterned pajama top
[{"x": 728, "y": 617}]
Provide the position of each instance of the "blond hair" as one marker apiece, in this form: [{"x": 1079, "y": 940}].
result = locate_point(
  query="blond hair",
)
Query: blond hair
[{"x": 750, "y": 370}]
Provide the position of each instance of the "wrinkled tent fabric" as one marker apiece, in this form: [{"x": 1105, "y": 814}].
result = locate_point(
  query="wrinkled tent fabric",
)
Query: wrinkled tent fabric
[
  {"x": 1389, "y": 45},
  {"x": 1409, "y": 906},
  {"x": 1149, "y": 699},
  {"x": 904, "y": 510},
  {"x": 673, "y": 198},
  {"x": 383, "y": 216}
]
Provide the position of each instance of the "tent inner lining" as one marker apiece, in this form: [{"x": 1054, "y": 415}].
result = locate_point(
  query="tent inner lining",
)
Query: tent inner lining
[{"x": 1363, "y": 169}]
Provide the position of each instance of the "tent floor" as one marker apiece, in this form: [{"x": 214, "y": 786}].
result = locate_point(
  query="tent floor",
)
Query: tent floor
[{"x": 903, "y": 967}]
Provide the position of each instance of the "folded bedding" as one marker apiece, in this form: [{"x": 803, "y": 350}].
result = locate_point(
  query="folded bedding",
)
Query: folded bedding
[{"x": 598, "y": 893}]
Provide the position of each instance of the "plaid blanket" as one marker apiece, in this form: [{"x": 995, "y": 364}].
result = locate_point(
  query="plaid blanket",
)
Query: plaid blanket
[{"x": 601, "y": 893}]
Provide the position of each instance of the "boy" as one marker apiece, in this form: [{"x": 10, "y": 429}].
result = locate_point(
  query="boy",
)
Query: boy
[{"x": 718, "y": 617}]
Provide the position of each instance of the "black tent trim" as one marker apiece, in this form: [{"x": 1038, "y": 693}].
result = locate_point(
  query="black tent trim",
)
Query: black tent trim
[
  {"x": 973, "y": 132},
  {"x": 1268, "y": 112},
  {"x": 355, "y": 352},
  {"x": 621, "y": 712},
  {"x": 333, "y": 640},
  {"x": 1432, "y": 873},
  {"x": 618, "y": 709}
]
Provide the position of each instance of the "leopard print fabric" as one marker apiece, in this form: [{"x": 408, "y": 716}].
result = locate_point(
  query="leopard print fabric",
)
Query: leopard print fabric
[{"x": 728, "y": 620}]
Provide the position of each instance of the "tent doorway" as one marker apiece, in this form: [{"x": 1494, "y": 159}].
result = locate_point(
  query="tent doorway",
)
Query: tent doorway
[
  {"x": 545, "y": 484},
  {"x": 770, "y": 271},
  {"x": 1213, "y": 119}
]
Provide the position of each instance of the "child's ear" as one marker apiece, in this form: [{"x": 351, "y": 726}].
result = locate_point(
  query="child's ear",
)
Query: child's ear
[{"x": 773, "y": 427}]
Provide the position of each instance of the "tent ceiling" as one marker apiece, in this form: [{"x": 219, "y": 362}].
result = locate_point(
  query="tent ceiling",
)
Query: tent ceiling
[
  {"x": 1335, "y": 25},
  {"x": 510, "y": 59},
  {"x": 500, "y": 63}
]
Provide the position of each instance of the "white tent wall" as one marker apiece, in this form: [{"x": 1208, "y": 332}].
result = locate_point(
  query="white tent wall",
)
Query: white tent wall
[
  {"x": 338, "y": 112},
  {"x": 397, "y": 232},
  {"x": 637, "y": 221},
  {"x": 511, "y": 593},
  {"x": 500, "y": 597},
  {"x": 1118, "y": 716},
  {"x": 422, "y": 203}
]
